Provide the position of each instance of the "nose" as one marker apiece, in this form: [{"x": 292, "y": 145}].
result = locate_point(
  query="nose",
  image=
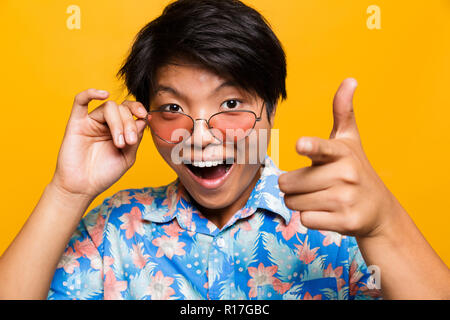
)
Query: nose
[{"x": 201, "y": 135}]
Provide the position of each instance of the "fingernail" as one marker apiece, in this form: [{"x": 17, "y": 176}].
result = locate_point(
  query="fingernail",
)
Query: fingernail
[
  {"x": 102, "y": 92},
  {"x": 121, "y": 139},
  {"x": 306, "y": 145},
  {"x": 142, "y": 111},
  {"x": 132, "y": 136}
]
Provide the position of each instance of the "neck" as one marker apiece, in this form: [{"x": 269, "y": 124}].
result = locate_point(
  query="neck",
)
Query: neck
[{"x": 221, "y": 216}]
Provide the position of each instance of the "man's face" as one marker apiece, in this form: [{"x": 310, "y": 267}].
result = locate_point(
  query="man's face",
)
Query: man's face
[{"x": 200, "y": 93}]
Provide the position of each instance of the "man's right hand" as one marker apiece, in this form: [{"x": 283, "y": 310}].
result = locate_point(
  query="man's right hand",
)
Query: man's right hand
[{"x": 98, "y": 147}]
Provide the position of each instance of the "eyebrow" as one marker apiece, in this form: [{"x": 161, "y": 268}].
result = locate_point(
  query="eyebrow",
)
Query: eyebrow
[{"x": 168, "y": 89}]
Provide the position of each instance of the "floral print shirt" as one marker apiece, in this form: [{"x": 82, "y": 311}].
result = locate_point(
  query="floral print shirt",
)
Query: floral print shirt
[{"x": 152, "y": 243}]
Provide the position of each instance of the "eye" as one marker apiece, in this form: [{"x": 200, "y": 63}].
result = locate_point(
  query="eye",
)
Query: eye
[
  {"x": 172, "y": 108},
  {"x": 231, "y": 104}
]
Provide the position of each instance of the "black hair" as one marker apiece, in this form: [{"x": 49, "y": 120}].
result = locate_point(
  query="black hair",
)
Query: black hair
[{"x": 226, "y": 36}]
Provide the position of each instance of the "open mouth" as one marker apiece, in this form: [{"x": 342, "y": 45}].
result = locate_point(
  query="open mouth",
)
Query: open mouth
[
  {"x": 209, "y": 170},
  {"x": 210, "y": 174}
]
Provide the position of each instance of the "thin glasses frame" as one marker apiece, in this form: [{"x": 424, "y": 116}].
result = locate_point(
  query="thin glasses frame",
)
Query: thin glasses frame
[{"x": 207, "y": 122}]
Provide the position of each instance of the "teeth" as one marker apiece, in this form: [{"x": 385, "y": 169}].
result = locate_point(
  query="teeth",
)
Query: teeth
[{"x": 202, "y": 164}]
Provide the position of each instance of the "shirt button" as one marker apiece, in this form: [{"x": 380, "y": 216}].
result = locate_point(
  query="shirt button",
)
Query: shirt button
[{"x": 220, "y": 242}]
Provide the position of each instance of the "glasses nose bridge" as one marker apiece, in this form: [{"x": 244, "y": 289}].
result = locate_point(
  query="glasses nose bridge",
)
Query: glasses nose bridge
[
  {"x": 208, "y": 126},
  {"x": 202, "y": 119},
  {"x": 195, "y": 132}
]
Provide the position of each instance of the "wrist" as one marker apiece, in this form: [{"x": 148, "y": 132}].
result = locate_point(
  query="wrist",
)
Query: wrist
[
  {"x": 67, "y": 198},
  {"x": 393, "y": 219}
]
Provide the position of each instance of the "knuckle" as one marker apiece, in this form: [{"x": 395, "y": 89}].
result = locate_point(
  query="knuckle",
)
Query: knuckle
[
  {"x": 306, "y": 219},
  {"x": 131, "y": 104},
  {"x": 289, "y": 201},
  {"x": 350, "y": 175},
  {"x": 136, "y": 104},
  {"x": 125, "y": 111},
  {"x": 352, "y": 224},
  {"x": 325, "y": 149},
  {"x": 110, "y": 105},
  {"x": 130, "y": 126},
  {"x": 79, "y": 95},
  {"x": 344, "y": 148},
  {"x": 282, "y": 182},
  {"x": 84, "y": 93},
  {"x": 346, "y": 198}
]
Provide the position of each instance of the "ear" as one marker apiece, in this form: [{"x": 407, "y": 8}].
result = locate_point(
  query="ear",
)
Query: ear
[{"x": 272, "y": 115}]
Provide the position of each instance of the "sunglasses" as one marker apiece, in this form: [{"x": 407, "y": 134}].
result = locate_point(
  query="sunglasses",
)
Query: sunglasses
[{"x": 226, "y": 126}]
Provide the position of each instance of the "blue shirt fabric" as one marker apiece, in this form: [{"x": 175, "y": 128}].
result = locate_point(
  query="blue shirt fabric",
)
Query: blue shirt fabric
[{"x": 152, "y": 243}]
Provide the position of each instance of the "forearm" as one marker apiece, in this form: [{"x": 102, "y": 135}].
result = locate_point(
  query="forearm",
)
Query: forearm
[
  {"x": 410, "y": 268},
  {"x": 28, "y": 265}
]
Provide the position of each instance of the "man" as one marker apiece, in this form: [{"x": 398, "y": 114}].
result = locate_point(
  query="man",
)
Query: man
[{"x": 207, "y": 76}]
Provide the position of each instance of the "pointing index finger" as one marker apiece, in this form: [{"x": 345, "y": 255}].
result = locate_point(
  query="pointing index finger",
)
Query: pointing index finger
[{"x": 320, "y": 150}]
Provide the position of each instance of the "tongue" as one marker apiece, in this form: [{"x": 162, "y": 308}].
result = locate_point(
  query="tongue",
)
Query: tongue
[{"x": 211, "y": 173}]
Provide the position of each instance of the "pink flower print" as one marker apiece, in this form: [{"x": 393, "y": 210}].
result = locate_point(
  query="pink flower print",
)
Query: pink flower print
[
  {"x": 281, "y": 287},
  {"x": 294, "y": 226},
  {"x": 132, "y": 223},
  {"x": 354, "y": 275},
  {"x": 96, "y": 231},
  {"x": 331, "y": 237},
  {"x": 107, "y": 263},
  {"x": 371, "y": 292},
  {"x": 244, "y": 213},
  {"x": 85, "y": 247},
  {"x": 144, "y": 197},
  {"x": 308, "y": 296},
  {"x": 261, "y": 276},
  {"x": 245, "y": 225},
  {"x": 112, "y": 287},
  {"x": 306, "y": 254},
  {"x": 88, "y": 249},
  {"x": 138, "y": 255},
  {"x": 335, "y": 273},
  {"x": 165, "y": 202},
  {"x": 173, "y": 229},
  {"x": 122, "y": 197},
  {"x": 69, "y": 260},
  {"x": 159, "y": 287},
  {"x": 96, "y": 262},
  {"x": 169, "y": 247}
]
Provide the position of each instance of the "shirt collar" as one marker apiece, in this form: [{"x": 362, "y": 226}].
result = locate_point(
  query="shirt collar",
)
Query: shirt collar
[
  {"x": 267, "y": 195},
  {"x": 172, "y": 201}
]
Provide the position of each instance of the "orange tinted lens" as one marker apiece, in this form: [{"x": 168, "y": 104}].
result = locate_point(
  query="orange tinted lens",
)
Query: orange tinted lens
[
  {"x": 233, "y": 125},
  {"x": 171, "y": 126}
]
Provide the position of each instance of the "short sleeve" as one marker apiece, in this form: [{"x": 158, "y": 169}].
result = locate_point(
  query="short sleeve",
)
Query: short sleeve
[
  {"x": 364, "y": 282},
  {"x": 79, "y": 275}
]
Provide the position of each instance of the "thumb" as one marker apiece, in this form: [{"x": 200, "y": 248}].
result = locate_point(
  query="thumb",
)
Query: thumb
[{"x": 344, "y": 124}]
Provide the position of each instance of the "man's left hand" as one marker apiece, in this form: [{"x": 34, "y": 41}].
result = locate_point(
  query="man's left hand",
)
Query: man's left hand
[{"x": 340, "y": 191}]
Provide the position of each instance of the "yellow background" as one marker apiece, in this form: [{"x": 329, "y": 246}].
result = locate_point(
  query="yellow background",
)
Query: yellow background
[{"x": 402, "y": 103}]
